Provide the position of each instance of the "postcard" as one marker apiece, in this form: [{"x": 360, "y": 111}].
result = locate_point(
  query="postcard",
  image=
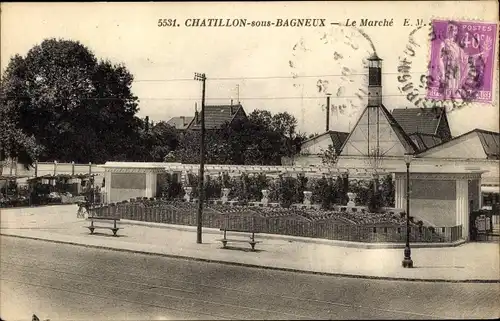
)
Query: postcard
[{"x": 249, "y": 160}]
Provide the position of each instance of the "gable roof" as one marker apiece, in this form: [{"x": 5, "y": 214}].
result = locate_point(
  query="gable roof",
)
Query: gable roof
[
  {"x": 218, "y": 115},
  {"x": 408, "y": 145},
  {"x": 489, "y": 142},
  {"x": 180, "y": 122},
  {"x": 419, "y": 120},
  {"x": 337, "y": 138},
  {"x": 424, "y": 141}
]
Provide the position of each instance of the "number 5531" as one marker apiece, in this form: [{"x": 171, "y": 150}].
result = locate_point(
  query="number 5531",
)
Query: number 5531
[{"x": 167, "y": 23}]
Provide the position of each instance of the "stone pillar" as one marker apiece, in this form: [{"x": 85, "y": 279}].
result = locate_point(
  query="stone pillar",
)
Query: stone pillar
[
  {"x": 352, "y": 199},
  {"x": 225, "y": 195},
  {"x": 307, "y": 197},
  {"x": 188, "y": 190},
  {"x": 400, "y": 193},
  {"x": 462, "y": 204},
  {"x": 151, "y": 178},
  {"x": 265, "y": 197},
  {"x": 107, "y": 187}
]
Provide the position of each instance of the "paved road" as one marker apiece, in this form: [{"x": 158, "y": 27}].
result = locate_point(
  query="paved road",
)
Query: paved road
[{"x": 59, "y": 281}]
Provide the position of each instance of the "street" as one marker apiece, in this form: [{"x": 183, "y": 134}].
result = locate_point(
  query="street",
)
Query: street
[{"x": 63, "y": 282}]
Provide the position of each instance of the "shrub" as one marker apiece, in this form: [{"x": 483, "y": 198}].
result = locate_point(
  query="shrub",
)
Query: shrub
[
  {"x": 300, "y": 187},
  {"x": 256, "y": 183},
  {"x": 170, "y": 188},
  {"x": 287, "y": 191}
]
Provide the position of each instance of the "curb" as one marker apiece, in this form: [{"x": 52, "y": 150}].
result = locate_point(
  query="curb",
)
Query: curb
[
  {"x": 348, "y": 244},
  {"x": 343, "y": 275}
]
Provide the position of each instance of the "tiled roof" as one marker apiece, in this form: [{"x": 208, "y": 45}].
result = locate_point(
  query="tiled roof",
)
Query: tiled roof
[
  {"x": 417, "y": 120},
  {"x": 408, "y": 144},
  {"x": 216, "y": 116},
  {"x": 181, "y": 122},
  {"x": 490, "y": 142},
  {"x": 424, "y": 141}
]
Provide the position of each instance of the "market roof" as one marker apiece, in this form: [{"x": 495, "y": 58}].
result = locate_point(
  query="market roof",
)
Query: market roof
[
  {"x": 490, "y": 142},
  {"x": 419, "y": 120},
  {"x": 425, "y": 141},
  {"x": 338, "y": 139}
]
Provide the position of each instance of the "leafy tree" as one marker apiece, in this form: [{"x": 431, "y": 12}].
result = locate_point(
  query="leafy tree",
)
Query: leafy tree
[
  {"x": 261, "y": 118},
  {"x": 261, "y": 139},
  {"x": 329, "y": 156},
  {"x": 15, "y": 143},
  {"x": 77, "y": 107},
  {"x": 158, "y": 140}
]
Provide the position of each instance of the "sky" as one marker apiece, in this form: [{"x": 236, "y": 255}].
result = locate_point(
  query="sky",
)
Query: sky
[{"x": 274, "y": 68}]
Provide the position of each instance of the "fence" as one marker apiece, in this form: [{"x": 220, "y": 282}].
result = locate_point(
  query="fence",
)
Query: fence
[{"x": 326, "y": 229}]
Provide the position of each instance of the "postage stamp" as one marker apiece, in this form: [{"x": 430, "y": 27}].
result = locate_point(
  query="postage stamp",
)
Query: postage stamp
[{"x": 462, "y": 56}]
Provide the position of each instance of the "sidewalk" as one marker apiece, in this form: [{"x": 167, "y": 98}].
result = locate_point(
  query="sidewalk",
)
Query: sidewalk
[{"x": 470, "y": 262}]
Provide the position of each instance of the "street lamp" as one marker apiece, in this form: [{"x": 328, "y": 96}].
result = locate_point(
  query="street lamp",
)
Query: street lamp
[
  {"x": 407, "y": 261},
  {"x": 199, "y": 216}
]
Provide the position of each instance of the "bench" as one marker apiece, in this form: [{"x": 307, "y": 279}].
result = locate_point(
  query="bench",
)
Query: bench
[
  {"x": 251, "y": 241},
  {"x": 113, "y": 228}
]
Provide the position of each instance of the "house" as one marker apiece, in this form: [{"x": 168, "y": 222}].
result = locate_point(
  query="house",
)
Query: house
[
  {"x": 180, "y": 122},
  {"x": 218, "y": 115}
]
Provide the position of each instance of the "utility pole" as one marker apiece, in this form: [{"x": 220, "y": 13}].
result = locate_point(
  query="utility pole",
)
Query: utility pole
[
  {"x": 327, "y": 112},
  {"x": 202, "y": 78}
]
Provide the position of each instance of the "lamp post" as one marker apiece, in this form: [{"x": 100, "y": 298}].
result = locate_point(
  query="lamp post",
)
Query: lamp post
[
  {"x": 407, "y": 261},
  {"x": 199, "y": 216}
]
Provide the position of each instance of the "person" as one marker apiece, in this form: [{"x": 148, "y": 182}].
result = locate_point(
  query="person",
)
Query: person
[{"x": 455, "y": 63}]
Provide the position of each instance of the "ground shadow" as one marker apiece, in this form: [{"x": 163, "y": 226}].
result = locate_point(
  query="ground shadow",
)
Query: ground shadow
[
  {"x": 438, "y": 267},
  {"x": 241, "y": 249},
  {"x": 105, "y": 234}
]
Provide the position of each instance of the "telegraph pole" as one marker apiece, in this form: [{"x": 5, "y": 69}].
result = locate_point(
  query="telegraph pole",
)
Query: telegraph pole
[
  {"x": 202, "y": 78},
  {"x": 327, "y": 112}
]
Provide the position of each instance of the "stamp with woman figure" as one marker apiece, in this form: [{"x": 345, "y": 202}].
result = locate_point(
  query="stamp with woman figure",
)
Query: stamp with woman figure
[{"x": 462, "y": 61}]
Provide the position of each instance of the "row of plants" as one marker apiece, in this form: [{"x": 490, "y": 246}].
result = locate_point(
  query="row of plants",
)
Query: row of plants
[
  {"x": 361, "y": 217},
  {"x": 284, "y": 190},
  {"x": 367, "y": 227}
]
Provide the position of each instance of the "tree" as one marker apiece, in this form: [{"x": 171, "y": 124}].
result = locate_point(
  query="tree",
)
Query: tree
[
  {"x": 261, "y": 139},
  {"x": 329, "y": 156},
  {"x": 75, "y": 106},
  {"x": 14, "y": 142}
]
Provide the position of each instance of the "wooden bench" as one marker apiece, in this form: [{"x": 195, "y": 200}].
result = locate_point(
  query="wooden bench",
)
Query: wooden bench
[
  {"x": 251, "y": 241},
  {"x": 113, "y": 228}
]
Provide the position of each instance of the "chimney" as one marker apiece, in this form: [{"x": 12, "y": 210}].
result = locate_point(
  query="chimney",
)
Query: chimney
[
  {"x": 196, "y": 113},
  {"x": 183, "y": 118},
  {"x": 231, "y": 108}
]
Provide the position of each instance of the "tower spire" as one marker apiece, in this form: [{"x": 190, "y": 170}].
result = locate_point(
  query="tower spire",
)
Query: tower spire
[{"x": 374, "y": 80}]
